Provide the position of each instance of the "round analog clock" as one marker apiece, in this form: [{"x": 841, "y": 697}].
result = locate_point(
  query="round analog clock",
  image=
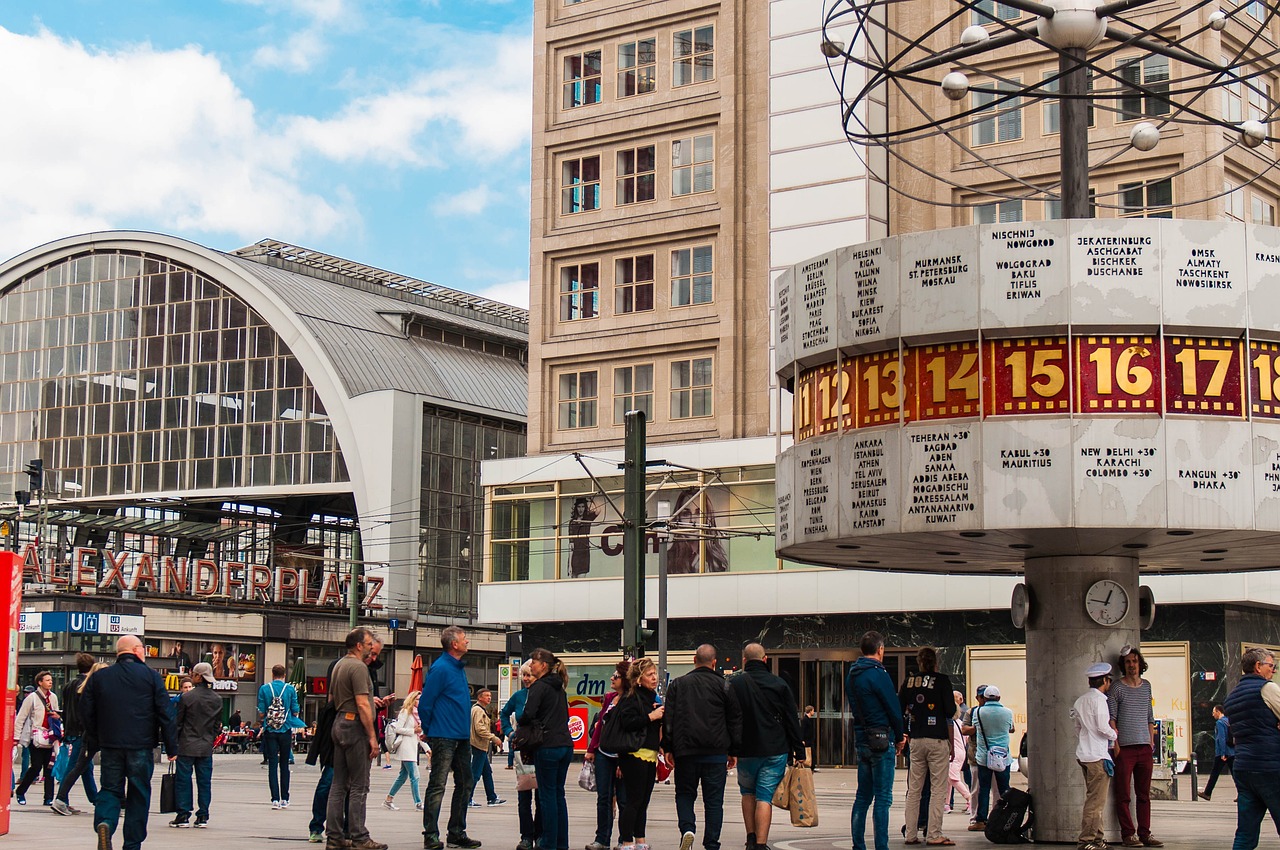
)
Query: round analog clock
[
  {"x": 1106, "y": 602},
  {"x": 1020, "y": 605}
]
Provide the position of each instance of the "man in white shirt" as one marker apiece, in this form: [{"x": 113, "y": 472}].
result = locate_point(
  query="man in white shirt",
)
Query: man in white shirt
[{"x": 1093, "y": 726}]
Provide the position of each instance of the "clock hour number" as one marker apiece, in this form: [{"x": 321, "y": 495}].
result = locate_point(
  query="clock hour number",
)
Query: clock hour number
[
  {"x": 1048, "y": 379},
  {"x": 1188, "y": 358},
  {"x": 964, "y": 380},
  {"x": 1130, "y": 378}
]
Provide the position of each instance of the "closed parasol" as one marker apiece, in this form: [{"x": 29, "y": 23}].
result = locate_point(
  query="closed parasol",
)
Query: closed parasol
[{"x": 415, "y": 674}]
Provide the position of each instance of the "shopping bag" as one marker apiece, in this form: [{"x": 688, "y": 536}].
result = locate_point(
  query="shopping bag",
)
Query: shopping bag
[
  {"x": 804, "y": 801},
  {"x": 168, "y": 793},
  {"x": 587, "y": 776},
  {"x": 782, "y": 797},
  {"x": 526, "y": 780}
]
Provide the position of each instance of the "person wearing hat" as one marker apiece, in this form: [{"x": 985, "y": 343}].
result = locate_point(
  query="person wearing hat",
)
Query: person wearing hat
[
  {"x": 1093, "y": 727},
  {"x": 199, "y": 724},
  {"x": 993, "y": 724}
]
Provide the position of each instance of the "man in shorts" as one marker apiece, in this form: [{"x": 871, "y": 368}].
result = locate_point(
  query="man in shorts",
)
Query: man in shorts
[{"x": 770, "y": 734}]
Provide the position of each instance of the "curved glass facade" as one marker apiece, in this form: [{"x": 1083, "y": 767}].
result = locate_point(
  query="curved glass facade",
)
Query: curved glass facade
[{"x": 130, "y": 374}]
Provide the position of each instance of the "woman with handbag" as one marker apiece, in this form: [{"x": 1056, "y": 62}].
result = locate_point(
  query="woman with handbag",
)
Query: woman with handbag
[
  {"x": 634, "y": 732},
  {"x": 544, "y": 730},
  {"x": 606, "y": 762},
  {"x": 530, "y": 818},
  {"x": 403, "y": 735},
  {"x": 36, "y": 717}
]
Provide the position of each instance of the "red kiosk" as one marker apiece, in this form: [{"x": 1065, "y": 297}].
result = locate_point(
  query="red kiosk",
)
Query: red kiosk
[{"x": 10, "y": 603}]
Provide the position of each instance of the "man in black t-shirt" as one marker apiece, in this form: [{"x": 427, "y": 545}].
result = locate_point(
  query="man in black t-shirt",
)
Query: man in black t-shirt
[{"x": 927, "y": 706}]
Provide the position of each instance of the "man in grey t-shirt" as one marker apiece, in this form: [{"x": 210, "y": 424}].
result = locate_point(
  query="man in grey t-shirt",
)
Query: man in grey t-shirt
[{"x": 355, "y": 745}]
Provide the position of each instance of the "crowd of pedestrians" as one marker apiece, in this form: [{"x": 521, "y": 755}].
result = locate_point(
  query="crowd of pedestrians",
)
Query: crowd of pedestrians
[{"x": 704, "y": 727}]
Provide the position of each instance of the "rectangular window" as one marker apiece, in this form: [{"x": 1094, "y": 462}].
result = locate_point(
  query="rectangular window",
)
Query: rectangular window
[
  {"x": 632, "y": 390},
  {"x": 1257, "y": 10},
  {"x": 691, "y": 388},
  {"x": 1053, "y": 207},
  {"x": 1262, "y": 212},
  {"x": 580, "y": 185},
  {"x": 1049, "y": 107},
  {"x": 633, "y": 284},
  {"x": 999, "y": 213},
  {"x": 1005, "y": 123},
  {"x": 1149, "y": 92},
  {"x": 693, "y": 166},
  {"x": 582, "y": 79},
  {"x": 1233, "y": 202},
  {"x": 693, "y": 56},
  {"x": 579, "y": 292},
  {"x": 636, "y": 173},
  {"x": 637, "y": 64},
  {"x": 1147, "y": 200},
  {"x": 986, "y": 11},
  {"x": 578, "y": 395},
  {"x": 692, "y": 272},
  {"x": 1259, "y": 100},
  {"x": 1232, "y": 96}
]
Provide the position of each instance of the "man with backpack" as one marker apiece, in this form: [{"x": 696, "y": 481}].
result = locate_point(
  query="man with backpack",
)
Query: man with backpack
[{"x": 277, "y": 706}]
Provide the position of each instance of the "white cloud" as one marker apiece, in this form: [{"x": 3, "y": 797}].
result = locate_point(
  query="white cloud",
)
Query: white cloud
[
  {"x": 300, "y": 52},
  {"x": 471, "y": 202},
  {"x": 516, "y": 292}
]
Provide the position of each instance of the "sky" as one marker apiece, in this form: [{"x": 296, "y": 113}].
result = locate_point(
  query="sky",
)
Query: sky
[{"x": 395, "y": 134}]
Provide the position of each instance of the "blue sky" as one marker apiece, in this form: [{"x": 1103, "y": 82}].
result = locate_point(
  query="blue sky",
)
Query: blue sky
[{"x": 392, "y": 133}]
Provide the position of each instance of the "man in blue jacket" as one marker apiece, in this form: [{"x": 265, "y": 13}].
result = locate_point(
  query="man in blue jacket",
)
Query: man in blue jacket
[
  {"x": 1254, "y": 709},
  {"x": 445, "y": 711},
  {"x": 877, "y": 728},
  {"x": 1224, "y": 755},
  {"x": 125, "y": 711}
]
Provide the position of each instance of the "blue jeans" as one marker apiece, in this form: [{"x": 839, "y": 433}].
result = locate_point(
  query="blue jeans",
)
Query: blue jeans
[
  {"x": 448, "y": 755},
  {"x": 81, "y": 768},
  {"x": 409, "y": 771},
  {"x": 690, "y": 772},
  {"x": 277, "y": 747},
  {"x": 203, "y": 767},
  {"x": 126, "y": 782},
  {"x": 551, "y": 766},
  {"x": 480, "y": 768},
  {"x": 1259, "y": 793},
  {"x": 607, "y": 785},
  {"x": 984, "y": 789},
  {"x": 875, "y": 783},
  {"x": 320, "y": 802},
  {"x": 530, "y": 818}
]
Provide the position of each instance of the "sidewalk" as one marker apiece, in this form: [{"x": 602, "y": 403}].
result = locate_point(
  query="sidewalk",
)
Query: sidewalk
[{"x": 242, "y": 816}]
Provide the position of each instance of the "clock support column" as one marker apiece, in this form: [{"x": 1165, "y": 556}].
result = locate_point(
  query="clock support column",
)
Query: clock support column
[{"x": 1062, "y": 641}]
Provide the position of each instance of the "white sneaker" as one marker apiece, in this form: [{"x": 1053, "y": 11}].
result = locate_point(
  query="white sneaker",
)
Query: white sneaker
[
  {"x": 686, "y": 841},
  {"x": 275, "y": 805},
  {"x": 418, "y": 806},
  {"x": 387, "y": 804},
  {"x": 284, "y": 804}
]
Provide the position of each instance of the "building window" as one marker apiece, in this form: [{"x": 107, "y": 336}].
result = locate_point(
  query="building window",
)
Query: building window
[
  {"x": 986, "y": 11},
  {"x": 998, "y": 213},
  {"x": 1262, "y": 212},
  {"x": 636, "y": 169},
  {"x": 1152, "y": 74},
  {"x": 579, "y": 292},
  {"x": 694, "y": 56},
  {"x": 691, "y": 276},
  {"x": 693, "y": 167},
  {"x": 580, "y": 185},
  {"x": 1233, "y": 202},
  {"x": 633, "y": 284},
  {"x": 632, "y": 390},
  {"x": 1259, "y": 100},
  {"x": 1147, "y": 200},
  {"x": 1053, "y": 207},
  {"x": 582, "y": 79},
  {"x": 1005, "y": 122},
  {"x": 637, "y": 66},
  {"x": 691, "y": 388},
  {"x": 578, "y": 394},
  {"x": 1049, "y": 107},
  {"x": 1257, "y": 10}
]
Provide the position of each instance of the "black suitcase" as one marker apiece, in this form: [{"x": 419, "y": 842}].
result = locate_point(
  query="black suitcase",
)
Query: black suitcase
[{"x": 1011, "y": 820}]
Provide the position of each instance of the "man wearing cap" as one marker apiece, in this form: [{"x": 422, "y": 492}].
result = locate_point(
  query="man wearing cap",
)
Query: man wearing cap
[
  {"x": 199, "y": 724},
  {"x": 1093, "y": 726},
  {"x": 993, "y": 724}
]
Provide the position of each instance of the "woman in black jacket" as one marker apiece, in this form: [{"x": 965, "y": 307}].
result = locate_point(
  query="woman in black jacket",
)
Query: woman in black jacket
[
  {"x": 639, "y": 712},
  {"x": 548, "y": 708}
]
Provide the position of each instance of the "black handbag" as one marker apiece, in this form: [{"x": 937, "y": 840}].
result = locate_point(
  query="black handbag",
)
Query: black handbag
[
  {"x": 528, "y": 737},
  {"x": 879, "y": 738},
  {"x": 168, "y": 793},
  {"x": 617, "y": 740}
]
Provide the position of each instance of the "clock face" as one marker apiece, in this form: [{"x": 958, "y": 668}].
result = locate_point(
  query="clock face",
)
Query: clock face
[{"x": 1106, "y": 602}]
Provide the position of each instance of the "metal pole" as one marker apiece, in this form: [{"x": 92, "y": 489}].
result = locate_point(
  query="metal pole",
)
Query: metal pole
[
  {"x": 353, "y": 589},
  {"x": 1073, "y": 110},
  {"x": 662, "y": 613},
  {"x": 634, "y": 527}
]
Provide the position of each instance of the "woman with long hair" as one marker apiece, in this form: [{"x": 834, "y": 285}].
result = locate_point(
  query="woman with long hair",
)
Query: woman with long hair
[
  {"x": 530, "y": 819},
  {"x": 639, "y": 712},
  {"x": 403, "y": 735},
  {"x": 606, "y": 763},
  {"x": 548, "y": 709}
]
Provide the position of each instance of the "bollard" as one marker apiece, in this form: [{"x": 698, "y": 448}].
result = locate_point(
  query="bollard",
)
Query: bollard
[{"x": 1195, "y": 781}]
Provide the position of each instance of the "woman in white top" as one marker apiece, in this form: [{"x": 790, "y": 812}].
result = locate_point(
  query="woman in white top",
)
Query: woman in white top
[
  {"x": 403, "y": 735},
  {"x": 40, "y": 706}
]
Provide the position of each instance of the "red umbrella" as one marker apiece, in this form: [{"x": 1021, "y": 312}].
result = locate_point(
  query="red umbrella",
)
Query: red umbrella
[{"x": 415, "y": 674}]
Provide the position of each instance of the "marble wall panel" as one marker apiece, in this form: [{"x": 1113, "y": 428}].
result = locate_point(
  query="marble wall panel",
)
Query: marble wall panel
[
  {"x": 1263, "y": 265},
  {"x": 1265, "y": 470},
  {"x": 870, "y": 482},
  {"x": 784, "y": 505},
  {"x": 1025, "y": 274},
  {"x": 942, "y": 477},
  {"x": 816, "y": 489},
  {"x": 813, "y": 305},
  {"x": 783, "y": 324},
  {"x": 1119, "y": 469},
  {"x": 938, "y": 273},
  {"x": 869, "y": 304},
  {"x": 1026, "y": 480},
  {"x": 1204, "y": 279},
  {"x": 1207, "y": 468},
  {"x": 1115, "y": 272}
]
